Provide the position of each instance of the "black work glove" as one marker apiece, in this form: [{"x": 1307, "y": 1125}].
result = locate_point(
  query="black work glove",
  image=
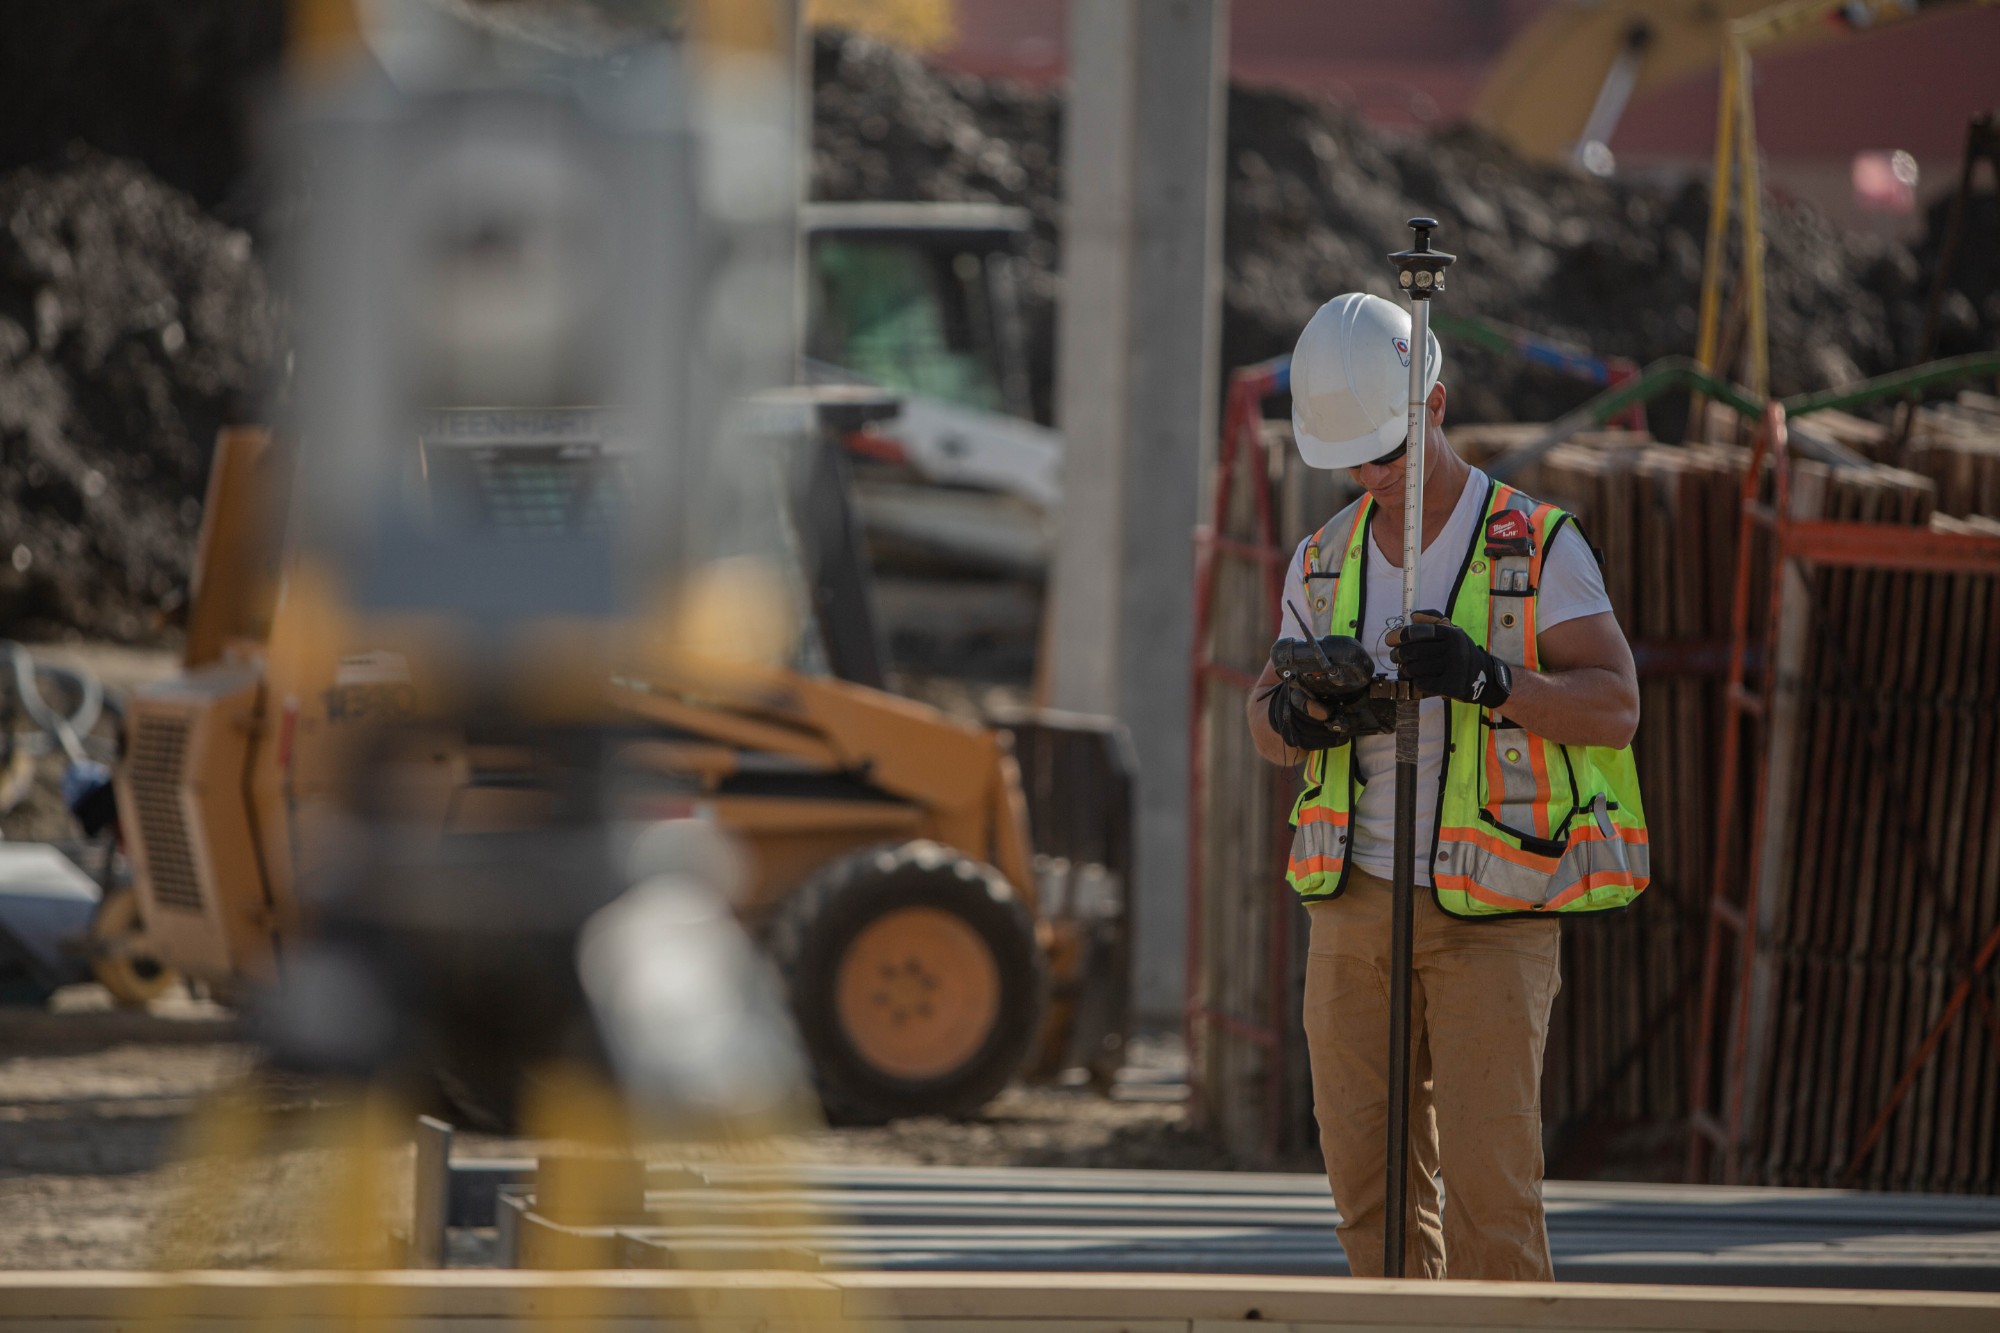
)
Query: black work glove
[
  {"x": 1440, "y": 658},
  {"x": 1296, "y": 726}
]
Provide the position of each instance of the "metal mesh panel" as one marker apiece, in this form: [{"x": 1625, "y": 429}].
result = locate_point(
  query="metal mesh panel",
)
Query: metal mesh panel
[{"x": 159, "y": 753}]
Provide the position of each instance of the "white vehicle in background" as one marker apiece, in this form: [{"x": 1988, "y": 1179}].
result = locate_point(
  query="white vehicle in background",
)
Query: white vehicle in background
[{"x": 920, "y": 299}]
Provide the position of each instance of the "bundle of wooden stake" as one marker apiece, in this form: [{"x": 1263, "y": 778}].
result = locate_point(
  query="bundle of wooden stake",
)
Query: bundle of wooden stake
[
  {"x": 1664, "y": 520},
  {"x": 1882, "y": 842},
  {"x": 1884, "y": 867}
]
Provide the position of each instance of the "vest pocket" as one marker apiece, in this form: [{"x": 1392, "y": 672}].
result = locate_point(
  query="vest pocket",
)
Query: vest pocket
[
  {"x": 1520, "y": 796},
  {"x": 1550, "y": 849},
  {"x": 1604, "y": 856}
]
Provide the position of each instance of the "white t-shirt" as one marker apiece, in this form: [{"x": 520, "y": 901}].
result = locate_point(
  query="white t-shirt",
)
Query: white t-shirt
[{"x": 1572, "y": 586}]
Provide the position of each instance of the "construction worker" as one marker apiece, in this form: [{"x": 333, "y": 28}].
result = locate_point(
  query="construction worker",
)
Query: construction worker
[{"x": 1528, "y": 805}]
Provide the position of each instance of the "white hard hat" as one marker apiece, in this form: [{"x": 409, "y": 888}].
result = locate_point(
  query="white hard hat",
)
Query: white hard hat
[{"x": 1351, "y": 381}]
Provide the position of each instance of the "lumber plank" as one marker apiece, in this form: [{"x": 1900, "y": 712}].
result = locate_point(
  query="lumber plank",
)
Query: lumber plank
[
  {"x": 1954, "y": 948},
  {"x": 1860, "y": 609},
  {"x": 1983, "y": 891},
  {"x": 1869, "y": 608},
  {"x": 1910, "y": 727},
  {"x": 1897, "y": 654},
  {"x": 1777, "y": 796},
  {"x": 1959, "y": 860},
  {"x": 1935, "y": 874},
  {"x": 959, "y": 1303}
]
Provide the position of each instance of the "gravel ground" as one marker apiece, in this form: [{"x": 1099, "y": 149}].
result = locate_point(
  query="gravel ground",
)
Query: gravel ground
[
  {"x": 91, "y": 1104},
  {"x": 99, "y": 1167}
]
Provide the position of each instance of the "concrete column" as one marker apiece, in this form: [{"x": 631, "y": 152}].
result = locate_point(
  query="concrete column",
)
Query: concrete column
[
  {"x": 1137, "y": 403},
  {"x": 1093, "y": 341}
]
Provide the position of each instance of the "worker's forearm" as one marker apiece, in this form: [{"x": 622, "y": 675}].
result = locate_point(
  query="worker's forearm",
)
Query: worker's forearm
[{"x": 1584, "y": 706}]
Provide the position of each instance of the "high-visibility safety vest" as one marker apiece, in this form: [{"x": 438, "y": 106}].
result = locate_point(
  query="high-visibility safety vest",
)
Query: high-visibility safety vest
[{"x": 1524, "y": 825}]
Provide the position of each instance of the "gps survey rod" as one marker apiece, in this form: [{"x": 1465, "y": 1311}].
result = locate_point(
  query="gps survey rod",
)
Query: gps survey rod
[{"x": 1420, "y": 274}]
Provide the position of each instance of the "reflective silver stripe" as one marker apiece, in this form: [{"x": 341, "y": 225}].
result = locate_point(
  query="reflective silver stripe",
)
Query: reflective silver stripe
[
  {"x": 1507, "y": 628},
  {"x": 1519, "y": 791},
  {"x": 1491, "y": 871},
  {"x": 1332, "y": 542},
  {"x": 1507, "y": 620},
  {"x": 1507, "y": 639},
  {"x": 1599, "y": 856},
  {"x": 1318, "y": 838}
]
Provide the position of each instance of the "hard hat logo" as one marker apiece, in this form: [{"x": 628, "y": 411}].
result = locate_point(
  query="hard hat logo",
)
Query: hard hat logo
[{"x": 1351, "y": 381}]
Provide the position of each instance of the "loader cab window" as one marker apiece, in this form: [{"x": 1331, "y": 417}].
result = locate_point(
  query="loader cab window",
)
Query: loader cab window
[{"x": 914, "y": 315}]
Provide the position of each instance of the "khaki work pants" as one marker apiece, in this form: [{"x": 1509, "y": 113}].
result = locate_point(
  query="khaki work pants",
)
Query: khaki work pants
[{"x": 1479, "y": 1016}]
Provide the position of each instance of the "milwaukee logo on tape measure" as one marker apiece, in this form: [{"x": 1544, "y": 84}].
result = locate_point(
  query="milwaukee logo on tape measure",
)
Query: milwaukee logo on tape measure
[{"x": 1508, "y": 533}]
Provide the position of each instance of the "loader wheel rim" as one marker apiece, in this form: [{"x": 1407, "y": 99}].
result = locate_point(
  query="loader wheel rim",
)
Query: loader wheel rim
[
  {"x": 132, "y": 979},
  {"x": 918, "y": 993}
]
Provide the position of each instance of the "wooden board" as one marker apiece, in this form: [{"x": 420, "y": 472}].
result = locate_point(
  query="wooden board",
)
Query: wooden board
[
  {"x": 1057, "y": 1303},
  {"x": 1036, "y": 1222}
]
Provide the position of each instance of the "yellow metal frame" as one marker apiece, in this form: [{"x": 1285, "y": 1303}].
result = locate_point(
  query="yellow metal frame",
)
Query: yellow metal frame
[{"x": 1736, "y": 147}]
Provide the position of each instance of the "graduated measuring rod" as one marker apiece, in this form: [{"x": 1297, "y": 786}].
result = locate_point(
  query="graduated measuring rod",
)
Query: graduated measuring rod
[{"x": 1420, "y": 274}]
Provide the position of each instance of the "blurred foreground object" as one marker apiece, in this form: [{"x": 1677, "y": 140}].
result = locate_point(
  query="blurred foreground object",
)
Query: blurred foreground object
[
  {"x": 515, "y": 582},
  {"x": 387, "y": 789}
]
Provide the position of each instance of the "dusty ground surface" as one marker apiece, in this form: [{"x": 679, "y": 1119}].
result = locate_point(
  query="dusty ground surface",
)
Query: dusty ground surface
[
  {"x": 91, "y": 1104},
  {"x": 106, "y": 1118}
]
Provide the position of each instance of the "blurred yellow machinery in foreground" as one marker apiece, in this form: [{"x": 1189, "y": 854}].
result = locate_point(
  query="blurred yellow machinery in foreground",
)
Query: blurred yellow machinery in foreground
[{"x": 495, "y": 719}]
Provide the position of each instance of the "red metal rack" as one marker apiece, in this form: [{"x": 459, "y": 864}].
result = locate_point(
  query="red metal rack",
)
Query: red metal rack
[
  {"x": 1241, "y": 451},
  {"x": 1768, "y": 536}
]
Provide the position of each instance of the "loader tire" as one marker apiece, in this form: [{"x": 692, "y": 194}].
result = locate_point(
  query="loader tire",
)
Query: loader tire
[
  {"x": 134, "y": 979},
  {"x": 915, "y": 980}
]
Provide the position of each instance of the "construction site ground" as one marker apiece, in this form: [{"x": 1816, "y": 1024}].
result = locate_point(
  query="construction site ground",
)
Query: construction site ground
[{"x": 95, "y": 1106}]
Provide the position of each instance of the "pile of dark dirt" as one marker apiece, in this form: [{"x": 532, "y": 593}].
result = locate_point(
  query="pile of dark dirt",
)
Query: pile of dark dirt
[
  {"x": 133, "y": 323},
  {"x": 1315, "y": 199},
  {"x": 132, "y": 326},
  {"x": 171, "y": 83}
]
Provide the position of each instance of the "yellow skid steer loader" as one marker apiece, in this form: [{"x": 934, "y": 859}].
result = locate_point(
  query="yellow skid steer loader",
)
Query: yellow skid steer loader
[{"x": 945, "y": 900}]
